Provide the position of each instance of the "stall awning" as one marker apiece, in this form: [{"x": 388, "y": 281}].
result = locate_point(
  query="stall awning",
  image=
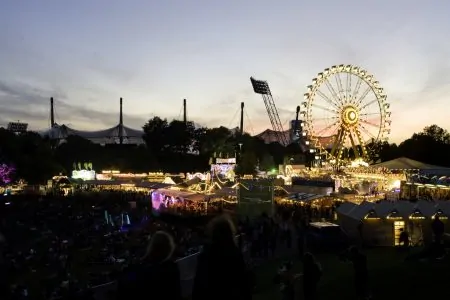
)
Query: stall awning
[{"x": 407, "y": 164}]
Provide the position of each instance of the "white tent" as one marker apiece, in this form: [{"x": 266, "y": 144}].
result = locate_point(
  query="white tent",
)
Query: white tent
[{"x": 407, "y": 164}]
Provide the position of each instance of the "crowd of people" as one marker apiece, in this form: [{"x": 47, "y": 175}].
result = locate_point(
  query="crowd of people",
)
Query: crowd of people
[
  {"x": 61, "y": 247},
  {"x": 56, "y": 246}
]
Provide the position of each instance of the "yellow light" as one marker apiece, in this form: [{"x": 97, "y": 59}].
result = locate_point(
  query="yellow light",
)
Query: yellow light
[{"x": 416, "y": 217}]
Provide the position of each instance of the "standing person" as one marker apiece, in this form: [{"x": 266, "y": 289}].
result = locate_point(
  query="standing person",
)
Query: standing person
[
  {"x": 361, "y": 273},
  {"x": 4, "y": 286},
  {"x": 221, "y": 270},
  {"x": 301, "y": 236},
  {"x": 157, "y": 270},
  {"x": 403, "y": 239},
  {"x": 312, "y": 272},
  {"x": 285, "y": 278},
  {"x": 438, "y": 230}
]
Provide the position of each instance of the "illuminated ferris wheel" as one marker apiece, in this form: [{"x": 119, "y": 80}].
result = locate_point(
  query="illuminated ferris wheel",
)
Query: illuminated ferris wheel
[{"x": 345, "y": 113}]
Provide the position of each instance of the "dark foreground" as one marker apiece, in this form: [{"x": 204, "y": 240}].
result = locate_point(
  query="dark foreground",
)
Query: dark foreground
[{"x": 391, "y": 277}]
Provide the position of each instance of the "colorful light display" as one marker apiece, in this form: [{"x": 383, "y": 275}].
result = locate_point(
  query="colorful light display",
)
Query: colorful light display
[{"x": 6, "y": 173}]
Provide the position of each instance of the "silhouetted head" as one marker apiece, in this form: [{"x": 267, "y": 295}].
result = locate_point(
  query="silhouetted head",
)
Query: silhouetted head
[
  {"x": 160, "y": 247},
  {"x": 354, "y": 251},
  {"x": 308, "y": 258},
  {"x": 222, "y": 231},
  {"x": 436, "y": 217}
]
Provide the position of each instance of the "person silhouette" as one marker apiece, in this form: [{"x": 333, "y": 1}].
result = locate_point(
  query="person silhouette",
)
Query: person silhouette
[
  {"x": 312, "y": 272},
  {"x": 221, "y": 269},
  {"x": 403, "y": 239},
  {"x": 361, "y": 274},
  {"x": 438, "y": 229}
]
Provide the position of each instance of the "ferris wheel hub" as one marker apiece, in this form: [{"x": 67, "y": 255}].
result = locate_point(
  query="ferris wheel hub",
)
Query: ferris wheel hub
[{"x": 350, "y": 115}]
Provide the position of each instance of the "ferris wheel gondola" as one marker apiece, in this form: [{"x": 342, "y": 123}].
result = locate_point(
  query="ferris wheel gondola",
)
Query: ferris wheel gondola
[{"x": 345, "y": 111}]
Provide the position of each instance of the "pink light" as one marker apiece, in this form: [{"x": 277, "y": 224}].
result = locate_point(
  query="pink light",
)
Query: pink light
[{"x": 6, "y": 173}]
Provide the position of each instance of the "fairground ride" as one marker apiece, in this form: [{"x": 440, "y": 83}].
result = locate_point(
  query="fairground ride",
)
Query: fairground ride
[{"x": 345, "y": 111}]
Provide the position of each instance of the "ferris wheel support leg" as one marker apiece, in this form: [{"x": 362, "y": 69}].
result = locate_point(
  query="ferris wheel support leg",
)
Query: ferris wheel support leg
[
  {"x": 337, "y": 143},
  {"x": 355, "y": 149}
]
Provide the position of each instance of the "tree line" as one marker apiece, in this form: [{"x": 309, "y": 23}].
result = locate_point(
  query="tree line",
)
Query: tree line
[{"x": 177, "y": 146}]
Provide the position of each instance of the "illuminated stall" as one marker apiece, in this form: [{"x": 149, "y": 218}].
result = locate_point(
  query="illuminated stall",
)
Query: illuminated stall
[
  {"x": 173, "y": 199},
  {"x": 223, "y": 169},
  {"x": 380, "y": 224}
]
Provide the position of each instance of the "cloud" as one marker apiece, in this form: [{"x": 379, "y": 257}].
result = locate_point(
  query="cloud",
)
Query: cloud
[{"x": 30, "y": 104}]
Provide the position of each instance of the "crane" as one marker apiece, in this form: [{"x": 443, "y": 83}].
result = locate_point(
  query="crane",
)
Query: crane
[{"x": 262, "y": 87}]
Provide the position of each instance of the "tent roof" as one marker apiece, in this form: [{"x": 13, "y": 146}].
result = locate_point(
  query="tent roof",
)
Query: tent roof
[
  {"x": 346, "y": 207},
  {"x": 304, "y": 197},
  {"x": 443, "y": 206},
  {"x": 384, "y": 208},
  {"x": 404, "y": 163}
]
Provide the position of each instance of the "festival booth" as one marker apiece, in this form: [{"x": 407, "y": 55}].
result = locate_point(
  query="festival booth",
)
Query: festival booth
[
  {"x": 421, "y": 180},
  {"x": 174, "y": 199},
  {"x": 380, "y": 224}
]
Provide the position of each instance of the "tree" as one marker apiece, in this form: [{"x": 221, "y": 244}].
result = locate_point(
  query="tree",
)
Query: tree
[
  {"x": 179, "y": 136},
  {"x": 436, "y": 133},
  {"x": 215, "y": 140},
  {"x": 267, "y": 163},
  {"x": 247, "y": 164},
  {"x": 155, "y": 135}
]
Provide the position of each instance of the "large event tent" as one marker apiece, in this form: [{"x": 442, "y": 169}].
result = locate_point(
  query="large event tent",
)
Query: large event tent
[{"x": 407, "y": 164}]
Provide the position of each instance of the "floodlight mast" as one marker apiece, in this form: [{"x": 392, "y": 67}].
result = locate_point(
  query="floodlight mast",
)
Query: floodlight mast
[{"x": 262, "y": 87}]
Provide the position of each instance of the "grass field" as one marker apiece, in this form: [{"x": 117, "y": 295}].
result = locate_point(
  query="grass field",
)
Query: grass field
[{"x": 390, "y": 278}]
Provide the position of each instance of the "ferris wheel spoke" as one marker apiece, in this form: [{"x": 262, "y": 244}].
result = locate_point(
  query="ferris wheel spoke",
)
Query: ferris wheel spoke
[
  {"x": 364, "y": 95},
  {"x": 368, "y": 104},
  {"x": 326, "y": 98},
  {"x": 367, "y": 132},
  {"x": 370, "y": 114},
  {"x": 326, "y": 118},
  {"x": 370, "y": 123},
  {"x": 324, "y": 108},
  {"x": 348, "y": 90},
  {"x": 357, "y": 87},
  {"x": 318, "y": 134},
  {"x": 333, "y": 92},
  {"x": 337, "y": 78}
]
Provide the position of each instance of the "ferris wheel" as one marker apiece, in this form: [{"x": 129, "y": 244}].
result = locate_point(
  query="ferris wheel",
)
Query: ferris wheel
[{"x": 345, "y": 113}]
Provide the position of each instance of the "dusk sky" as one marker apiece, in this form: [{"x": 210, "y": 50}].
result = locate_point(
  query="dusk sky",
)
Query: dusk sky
[{"x": 89, "y": 53}]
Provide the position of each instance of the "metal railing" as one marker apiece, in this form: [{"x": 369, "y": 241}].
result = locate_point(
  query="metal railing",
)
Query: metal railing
[{"x": 187, "y": 266}]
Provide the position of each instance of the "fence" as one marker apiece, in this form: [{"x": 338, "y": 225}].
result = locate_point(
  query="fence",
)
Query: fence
[{"x": 187, "y": 266}]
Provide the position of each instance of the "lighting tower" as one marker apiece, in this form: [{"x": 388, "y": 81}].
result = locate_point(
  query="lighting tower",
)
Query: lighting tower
[
  {"x": 52, "y": 113},
  {"x": 262, "y": 87},
  {"x": 241, "y": 124},
  {"x": 121, "y": 123}
]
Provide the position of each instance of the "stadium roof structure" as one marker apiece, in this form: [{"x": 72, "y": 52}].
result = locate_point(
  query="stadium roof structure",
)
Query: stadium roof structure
[
  {"x": 106, "y": 136},
  {"x": 119, "y": 134}
]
